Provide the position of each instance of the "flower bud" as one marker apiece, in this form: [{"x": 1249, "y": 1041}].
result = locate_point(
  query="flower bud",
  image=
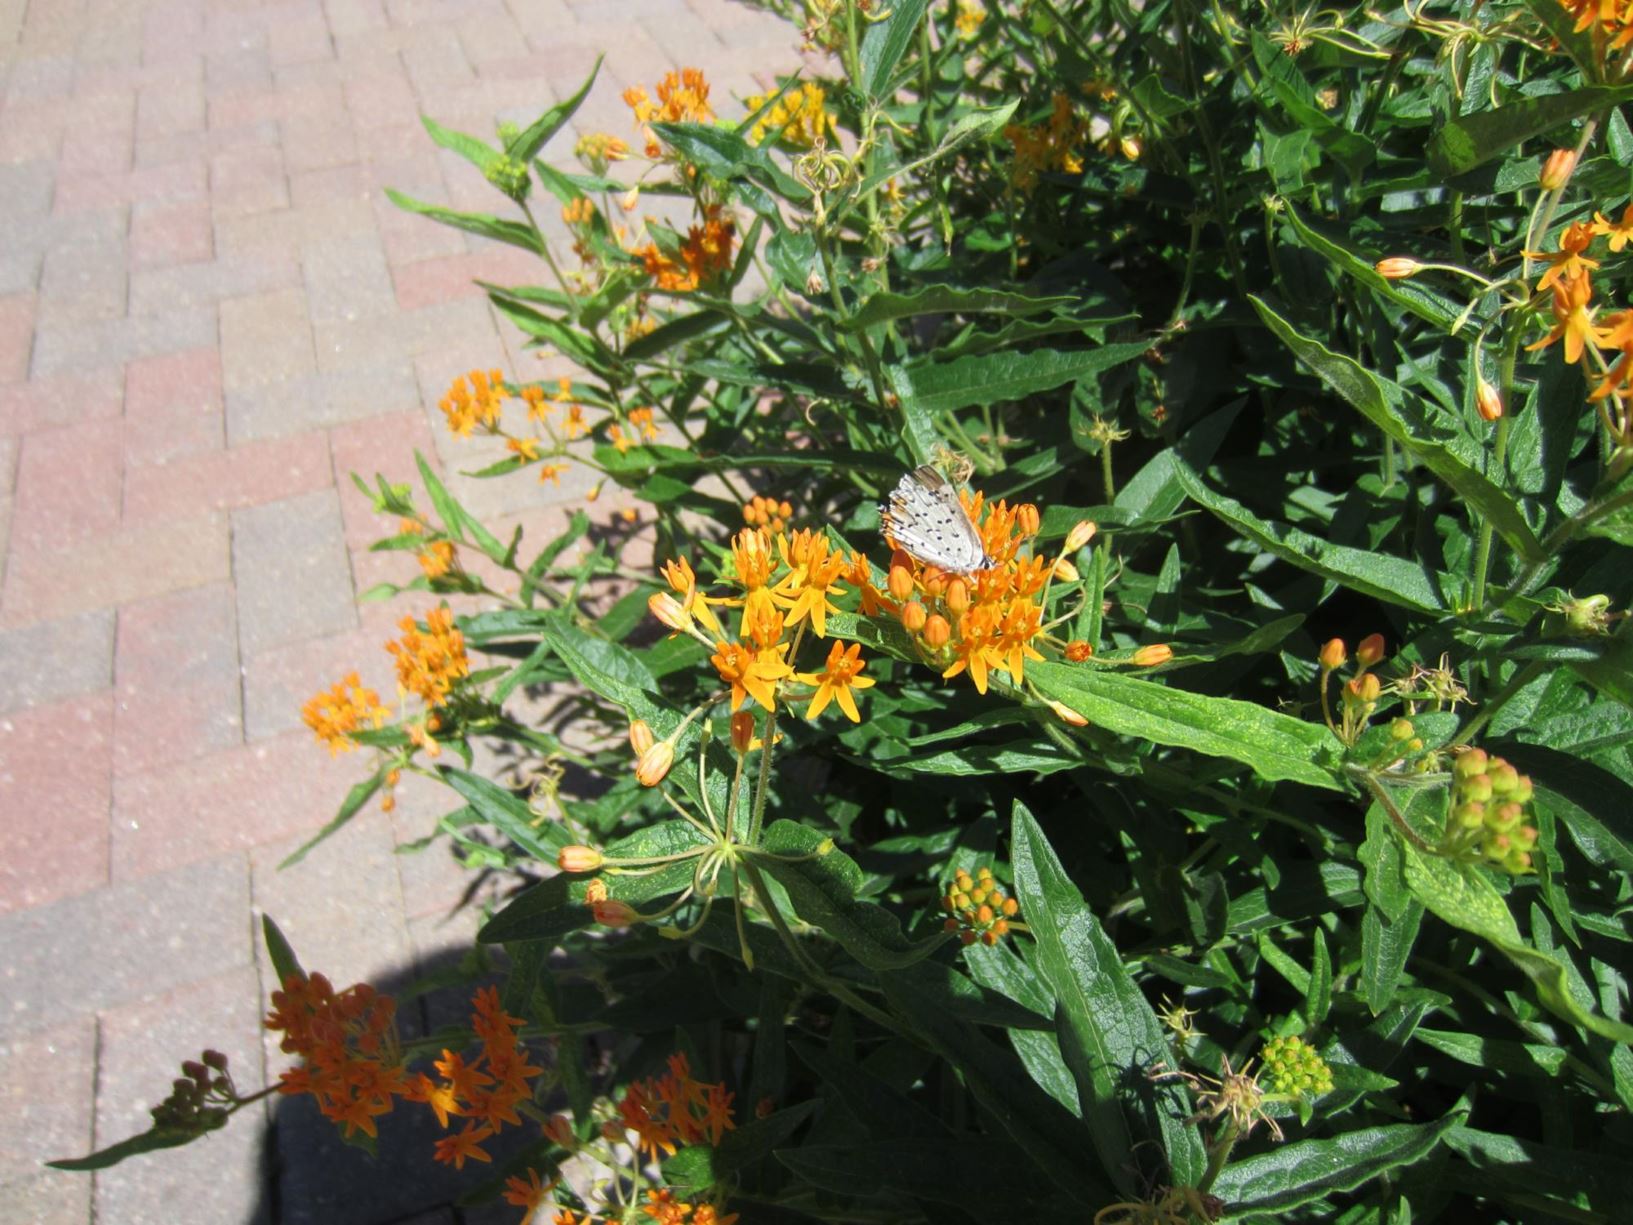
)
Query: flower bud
[
  {"x": 1397, "y": 267},
  {"x": 913, "y": 617},
  {"x": 1333, "y": 655},
  {"x": 1488, "y": 401},
  {"x": 742, "y": 731},
  {"x": 1401, "y": 729},
  {"x": 1503, "y": 817},
  {"x": 1064, "y": 571},
  {"x": 667, "y": 609},
  {"x": 1364, "y": 688},
  {"x": 630, "y": 199},
  {"x": 1370, "y": 650},
  {"x": 958, "y": 595},
  {"x": 1556, "y": 169},
  {"x": 578, "y": 859},
  {"x": 1504, "y": 777},
  {"x": 1077, "y": 650},
  {"x": 1082, "y": 532},
  {"x": 613, "y": 913},
  {"x": 937, "y": 633},
  {"x": 900, "y": 582},
  {"x": 558, "y": 1129},
  {"x": 1155, "y": 653},
  {"x": 1476, "y": 788},
  {"x": 653, "y": 764},
  {"x": 934, "y": 580},
  {"x": 640, "y": 736},
  {"x": 1027, "y": 519},
  {"x": 1067, "y": 715},
  {"x": 1470, "y": 764},
  {"x": 216, "y": 1060}
]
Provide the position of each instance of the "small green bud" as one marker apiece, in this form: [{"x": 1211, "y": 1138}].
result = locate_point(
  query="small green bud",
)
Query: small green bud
[
  {"x": 510, "y": 176},
  {"x": 1470, "y": 764}
]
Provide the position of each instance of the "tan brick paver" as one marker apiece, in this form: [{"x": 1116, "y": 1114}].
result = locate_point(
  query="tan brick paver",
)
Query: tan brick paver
[{"x": 209, "y": 316}]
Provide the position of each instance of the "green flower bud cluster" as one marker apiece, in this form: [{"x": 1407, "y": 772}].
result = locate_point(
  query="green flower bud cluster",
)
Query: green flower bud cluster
[
  {"x": 1487, "y": 822},
  {"x": 1292, "y": 1067},
  {"x": 198, "y": 1098},
  {"x": 508, "y": 132},
  {"x": 510, "y": 176}
]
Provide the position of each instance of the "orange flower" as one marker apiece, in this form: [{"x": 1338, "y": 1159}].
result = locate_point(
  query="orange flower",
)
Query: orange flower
[
  {"x": 1618, "y": 232},
  {"x": 674, "y": 1109},
  {"x": 474, "y": 399},
  {"x": 529, "y": 1192},
  {"x": 429, "y": 664},
  {"x": 751, "y": 557},
  {"x": 837, "y": 679},
  {"x": 465, "y": 1145},
  {"x": 436, "y": 558},
  {"x": 1573, "y": 320},
  {"x": 976, "y": 649},
  {"x": 1568, "y": 264},
  {"x": 750, "y": 673},
  {"x": 335, "y": 715},
  {"x": 806, "y": 589}
]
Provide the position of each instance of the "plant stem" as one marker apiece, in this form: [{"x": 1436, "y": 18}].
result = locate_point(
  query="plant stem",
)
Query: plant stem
[{"x": 1505, "y": 381}]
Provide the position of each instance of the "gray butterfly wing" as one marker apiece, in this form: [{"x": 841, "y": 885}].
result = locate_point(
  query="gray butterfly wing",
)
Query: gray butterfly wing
[{"x": 928, "y": 521}]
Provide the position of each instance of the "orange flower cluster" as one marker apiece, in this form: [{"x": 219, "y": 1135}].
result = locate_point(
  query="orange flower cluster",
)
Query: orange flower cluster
[
  {"x": 474, "y": 399},
  {"x": 1613, "y": 17},
  {"x": 662, "y": 1207},
  {"x": 643, "y": 428},
  {"x": 354, "y": 1064},
  {"x": 704, "y": 256},
  {"x": 671, "y": 1110},
  {"x": 429, "y": 664},
  {"x": 485, "y": 1091},
  {"x": 682, "y": 98},
  {"x": 1051, "y": 145},
  {"x": 981, "y": 622},
  {"x": 436, "y": 557},
  {"x": 769, "y": 513},
  {"x": 348, "y": 1039},
  {"x": 335, "y": 715}
]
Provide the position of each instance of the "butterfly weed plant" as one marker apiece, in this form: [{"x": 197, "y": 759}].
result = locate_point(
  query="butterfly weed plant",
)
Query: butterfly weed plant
[{"x": 1204, "y": 793}]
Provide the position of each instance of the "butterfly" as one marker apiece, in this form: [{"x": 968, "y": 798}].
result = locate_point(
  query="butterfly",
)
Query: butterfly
[{"x": 930, "y": 524}]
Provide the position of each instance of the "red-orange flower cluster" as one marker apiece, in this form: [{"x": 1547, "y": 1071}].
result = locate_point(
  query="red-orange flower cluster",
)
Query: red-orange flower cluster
[
  {"x": 671, "y": 1110},
  {"x": 704, "y": 256}
]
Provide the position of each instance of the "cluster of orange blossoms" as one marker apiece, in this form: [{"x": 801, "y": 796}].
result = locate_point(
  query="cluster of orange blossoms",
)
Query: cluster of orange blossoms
[
  {"x": 769, "y": 513},
  {"x": 668, "y": 1111},
  {"x": 335, "y": 715},
  {"x": 354, "y": 1067},
  {"x": 1052, "y": 145},
  {"x": 476, "y": 399},
  {"x": 704, "y": 256},
  {"x": 683, "y": 97},
  {"x": 1613, "y": 19},
  {"x": 642, "y": 429},
  {"x": 436, "y": 557},
  {"x": 429, "y": 664}
]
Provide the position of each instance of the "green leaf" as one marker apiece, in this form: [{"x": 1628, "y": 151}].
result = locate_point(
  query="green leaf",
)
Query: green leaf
[
  {"x": 1394, "y": 580},
  {"x": 470, "y": 148},
  {"x": 1495, "y": 1054},
  {"x": 1301, "y": 1173},
  {"x": 1593, "y": 804},
  {"x": 886, "y": 42},
  {"x": 349, "y": 808},
  {"x": 1526, "y": 1168},
  {"x": 284, "y": 962},
  {"x": 1472, "y": 140},
  {"x": 1390, "y": 408},
  {"x": 538, "y": 835},
  {"x": 938, "y": 387},
  {"x": 1461, "y": 895},
  {"x": 1318, "y": 997},
  {"x": 950, "y": 299},
  {"x": 149, "y": 1141},
  {"x": 1422, "y": 301},
  {"x": 947, "y": 1170},
  {"x": 486, "y": 226},
  {"x": 1274, "y": 745},
  {"x": 1109, "y": 1037},
  {"x": 532, "y": 138}
]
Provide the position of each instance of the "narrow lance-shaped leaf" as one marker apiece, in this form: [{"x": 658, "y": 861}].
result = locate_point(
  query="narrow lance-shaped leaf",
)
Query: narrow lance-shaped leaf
[{"x": 1108, "y": 1034}]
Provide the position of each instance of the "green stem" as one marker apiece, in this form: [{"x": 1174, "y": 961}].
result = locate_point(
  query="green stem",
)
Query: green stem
[
  {"x": 1218, "y": 1155},
  {"x": 1505, "y": 380}
]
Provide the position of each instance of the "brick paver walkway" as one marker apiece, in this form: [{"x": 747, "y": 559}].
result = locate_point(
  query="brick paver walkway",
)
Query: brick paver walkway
[{"x": 209, "y": 316}]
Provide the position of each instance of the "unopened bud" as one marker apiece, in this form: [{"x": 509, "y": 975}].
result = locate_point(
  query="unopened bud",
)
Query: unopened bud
[
  {"x": 613, "y": 913},
  {"x": 1064, "y": 571},
  {"x": 1333, "y": 655},
  {"x": 1370, "y": 650},
  {"x": 1488, "y": 401},
  {"x": 1077, "y": 650},
  {"x": 900, "y": 582},
  {"x": 1082, "y": 532},
  {"x": 631, "y": 199},
  {"x": 1364, "y": 688},
  {"x": 578, "y": 859},
  {"x": 653, "y": 764},
  {"x": 1401, "y": 729},
  {"x": 1155, "y": 653},
  {"x": 957, "y": 596},
  {"x": 640, "y": 736},
  {"x": 1556, "y": 169},
  {"x": 558, "y": 1129},
  {"x": 742, "y": 731},
  {"x": 913, "y": 616},
  {"x": 937, "y": 633},
  {"x": 1067, "y": 715},
  {"x": 669, "y": 610},
  {"x": 1397, "y": 267},
  {"x": 1470, "y": 763},
  {"x": 1028, "y": 519}
]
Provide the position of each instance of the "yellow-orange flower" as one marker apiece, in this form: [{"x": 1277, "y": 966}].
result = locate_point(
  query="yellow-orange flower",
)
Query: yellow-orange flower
[
  {"x": 1573, "y": 320},
  {"x": 474, "y": 399},
  {"x": 335, "y": 715},
  {"x": 429, "y": 664},
  {"x": 1568, "y": 264},
  {"x": 799, "y": 118},
  {"x": 813, "y": 576},
  {"x": 834, "y": 683},
  {"x": 1618, "y": 232},
  {"x": 682, "y": 98},
  {"x": 750, "y": 673},
  {"x": 751, "y": 556},
  {"x": 976, "y": 648}
]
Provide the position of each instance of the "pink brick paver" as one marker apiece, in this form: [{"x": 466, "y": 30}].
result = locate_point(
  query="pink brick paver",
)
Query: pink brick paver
[{"x": 210, "y": 315}]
